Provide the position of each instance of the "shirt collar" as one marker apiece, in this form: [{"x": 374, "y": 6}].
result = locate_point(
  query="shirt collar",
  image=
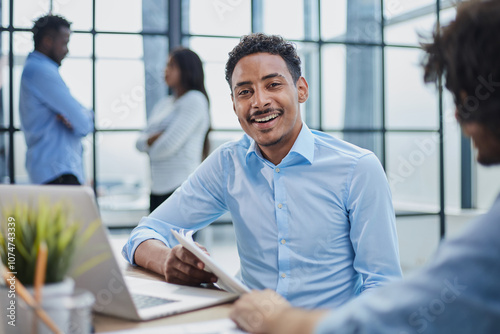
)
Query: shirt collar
[
  {"x": 303, "y": 146},
  {"x": 38, "y": 55}
]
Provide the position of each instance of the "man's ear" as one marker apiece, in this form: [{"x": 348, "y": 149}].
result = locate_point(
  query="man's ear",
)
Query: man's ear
[
  {"x": 47, "y": 41},
  {"x": 302, "y": 90}
]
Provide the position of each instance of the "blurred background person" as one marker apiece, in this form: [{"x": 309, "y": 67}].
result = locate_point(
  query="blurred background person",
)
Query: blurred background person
[
  {"x": 176, "y": 138},
  {"x": 53, "y": 122}
]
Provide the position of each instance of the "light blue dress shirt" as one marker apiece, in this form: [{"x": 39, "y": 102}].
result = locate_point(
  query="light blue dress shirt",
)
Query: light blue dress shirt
[
  {"x": 53, "y": 148},
  {"x": 319, "y": 228},
  {"x": 458, "y": 292}
]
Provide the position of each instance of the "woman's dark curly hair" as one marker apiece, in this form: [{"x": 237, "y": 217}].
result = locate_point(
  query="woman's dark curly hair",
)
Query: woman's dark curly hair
[
  {"x": 259, "y": 42},
  {"x": 467, "y": 53}
]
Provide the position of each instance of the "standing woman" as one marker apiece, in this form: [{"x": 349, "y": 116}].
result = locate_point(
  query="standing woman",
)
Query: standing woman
[{"x": 176, "y": 138}]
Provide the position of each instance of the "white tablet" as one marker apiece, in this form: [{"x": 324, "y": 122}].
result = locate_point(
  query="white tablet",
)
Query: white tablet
[{"x": 226, "y": 281}]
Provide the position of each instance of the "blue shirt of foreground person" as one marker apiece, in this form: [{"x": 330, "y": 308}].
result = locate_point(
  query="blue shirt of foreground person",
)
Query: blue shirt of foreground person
[
  {"x": 458, "y": 291},
  {"x": 53, "y": 122},
  {"x": 312, "y": 214}
]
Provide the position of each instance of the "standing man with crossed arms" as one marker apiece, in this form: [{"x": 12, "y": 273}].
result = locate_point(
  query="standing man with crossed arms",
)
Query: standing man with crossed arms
[{"x": 53, "y": 122}]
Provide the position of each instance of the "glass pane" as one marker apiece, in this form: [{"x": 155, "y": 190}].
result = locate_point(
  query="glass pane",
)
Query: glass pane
[
  {"x": 27, "y": 11},
  {"x": 124, "y": 15},
  {"x": 368, "y": 140},
  {"x": 23, "y": 43},
  {"x": 412, "y": 167},
  {"x": 119, "y": 46},
  {"x": 20, "y": 173},
  {"x": 123, "y": 178},
  {"x": 309, "y": 55},
  {"x": 88, "y": 158},
  {"x": 354, "y": 20},
  {"x": 156, "y": 12},
  {"x": 213, "y": 52},
  {"x": 351, "y": 87},
  {"x": 77, "y": 74},
  {"x": 333, "y": 20},
  {"x": 452, "y": 158},
  {"x": 120, "y": 96},
  {"x": 289, "y": 25},
  {"x": 4, "y": 84},
  {"x": 19, "y": 60},
  {"x": 409, "y": 102},
  {"x": 4, "y": 164},
  {"x": 487, "y": 186},
  {"x": 79, "y": 13},
  {"x": 5, "y": 12},
  {"x": 155, "y": 59},
  {"x": 80, "y": 45},
  {"x": 418, "y": 241},
  {"x": 447, "y": 13},
  {"x": 396, "y": 8},
  {"x": 333, "y": 88},
  {"x": 408, "y": 30},
  {"x": 222, "y": 18}
]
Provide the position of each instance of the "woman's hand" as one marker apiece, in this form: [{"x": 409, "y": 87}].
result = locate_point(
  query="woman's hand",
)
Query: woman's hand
[{"x": 153, "y": 138}]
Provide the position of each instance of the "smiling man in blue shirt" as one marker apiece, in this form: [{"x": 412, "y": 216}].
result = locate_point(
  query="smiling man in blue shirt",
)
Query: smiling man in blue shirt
[
  {"x": 53, "y": 122},
  {"x": 457, "y": 292},
  {"x": 312, "y": 214}
]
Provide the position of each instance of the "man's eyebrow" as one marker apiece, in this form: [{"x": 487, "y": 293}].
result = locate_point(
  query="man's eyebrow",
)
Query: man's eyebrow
[
  {"x": 272, "y": 75},
  {"x": 242, "y": 83},
  {"x": 269, "y": 76}
]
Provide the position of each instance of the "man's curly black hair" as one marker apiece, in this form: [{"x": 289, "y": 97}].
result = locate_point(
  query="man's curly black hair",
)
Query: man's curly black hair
[
  {"x": 47, "y": 24},
  {"x": 467, "y": 53},
  {"x": 259, "y": 42}
]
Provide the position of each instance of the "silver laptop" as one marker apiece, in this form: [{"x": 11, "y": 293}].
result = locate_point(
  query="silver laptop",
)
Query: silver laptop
[{"x": 97, "y": 270}]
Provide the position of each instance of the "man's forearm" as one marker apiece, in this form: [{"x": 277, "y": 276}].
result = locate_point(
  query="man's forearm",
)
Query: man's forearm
[{"x": 152, "y": 254}]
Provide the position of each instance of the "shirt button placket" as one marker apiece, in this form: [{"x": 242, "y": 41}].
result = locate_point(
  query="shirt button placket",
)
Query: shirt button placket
[{"x": 282, "y": 223}]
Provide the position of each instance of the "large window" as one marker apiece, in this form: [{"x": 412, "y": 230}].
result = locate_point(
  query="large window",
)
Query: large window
[{"x": 361, "y": 59}]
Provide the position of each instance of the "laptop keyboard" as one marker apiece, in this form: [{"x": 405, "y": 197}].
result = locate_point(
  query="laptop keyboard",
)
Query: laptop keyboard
[{"x": 143, "y": 301}]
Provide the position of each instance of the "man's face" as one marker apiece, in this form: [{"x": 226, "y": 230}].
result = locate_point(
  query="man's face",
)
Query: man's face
[
  {"x": 487, "y": 144},
  {"x": 267, "y": 102},
  {"x": 172, "y": 74},
  {"x": 58, "y": 45}
]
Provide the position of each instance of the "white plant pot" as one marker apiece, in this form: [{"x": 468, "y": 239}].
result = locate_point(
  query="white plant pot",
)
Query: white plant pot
[{"x": 22, "y": 318}]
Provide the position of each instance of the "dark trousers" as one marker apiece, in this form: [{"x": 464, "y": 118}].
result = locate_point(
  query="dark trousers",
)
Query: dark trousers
[
  {"x": 156, "y": 200},
  {"x": 65, "y": 179}
]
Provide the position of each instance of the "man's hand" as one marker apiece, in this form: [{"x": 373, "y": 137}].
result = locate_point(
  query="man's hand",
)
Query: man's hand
[
  {"x": 64, "y": 121},
  {"x": 182, "y": 267},
  {"x": 267, "y": 312},
  {"x": 259, "y": 311}
]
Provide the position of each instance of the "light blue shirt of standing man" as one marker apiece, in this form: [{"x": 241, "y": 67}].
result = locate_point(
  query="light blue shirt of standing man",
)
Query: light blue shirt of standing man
[
  {"x": 319, "y": 227},
  {"x": 52, "y": 120}
]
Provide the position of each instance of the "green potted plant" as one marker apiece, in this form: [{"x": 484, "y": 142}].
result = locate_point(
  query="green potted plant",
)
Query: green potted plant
[{"x": 26, "y": 226}]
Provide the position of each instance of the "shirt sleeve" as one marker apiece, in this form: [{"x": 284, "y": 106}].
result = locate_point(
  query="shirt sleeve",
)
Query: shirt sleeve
[
  {"x": 195, "y": 204},
  {"x": 53, "y": 92},
  {"x": 456, "y": 293},
  {"x": 142, "y": 142},
  {"x": 373, "y": 228},
  {"x": 189, "y": 112}
]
